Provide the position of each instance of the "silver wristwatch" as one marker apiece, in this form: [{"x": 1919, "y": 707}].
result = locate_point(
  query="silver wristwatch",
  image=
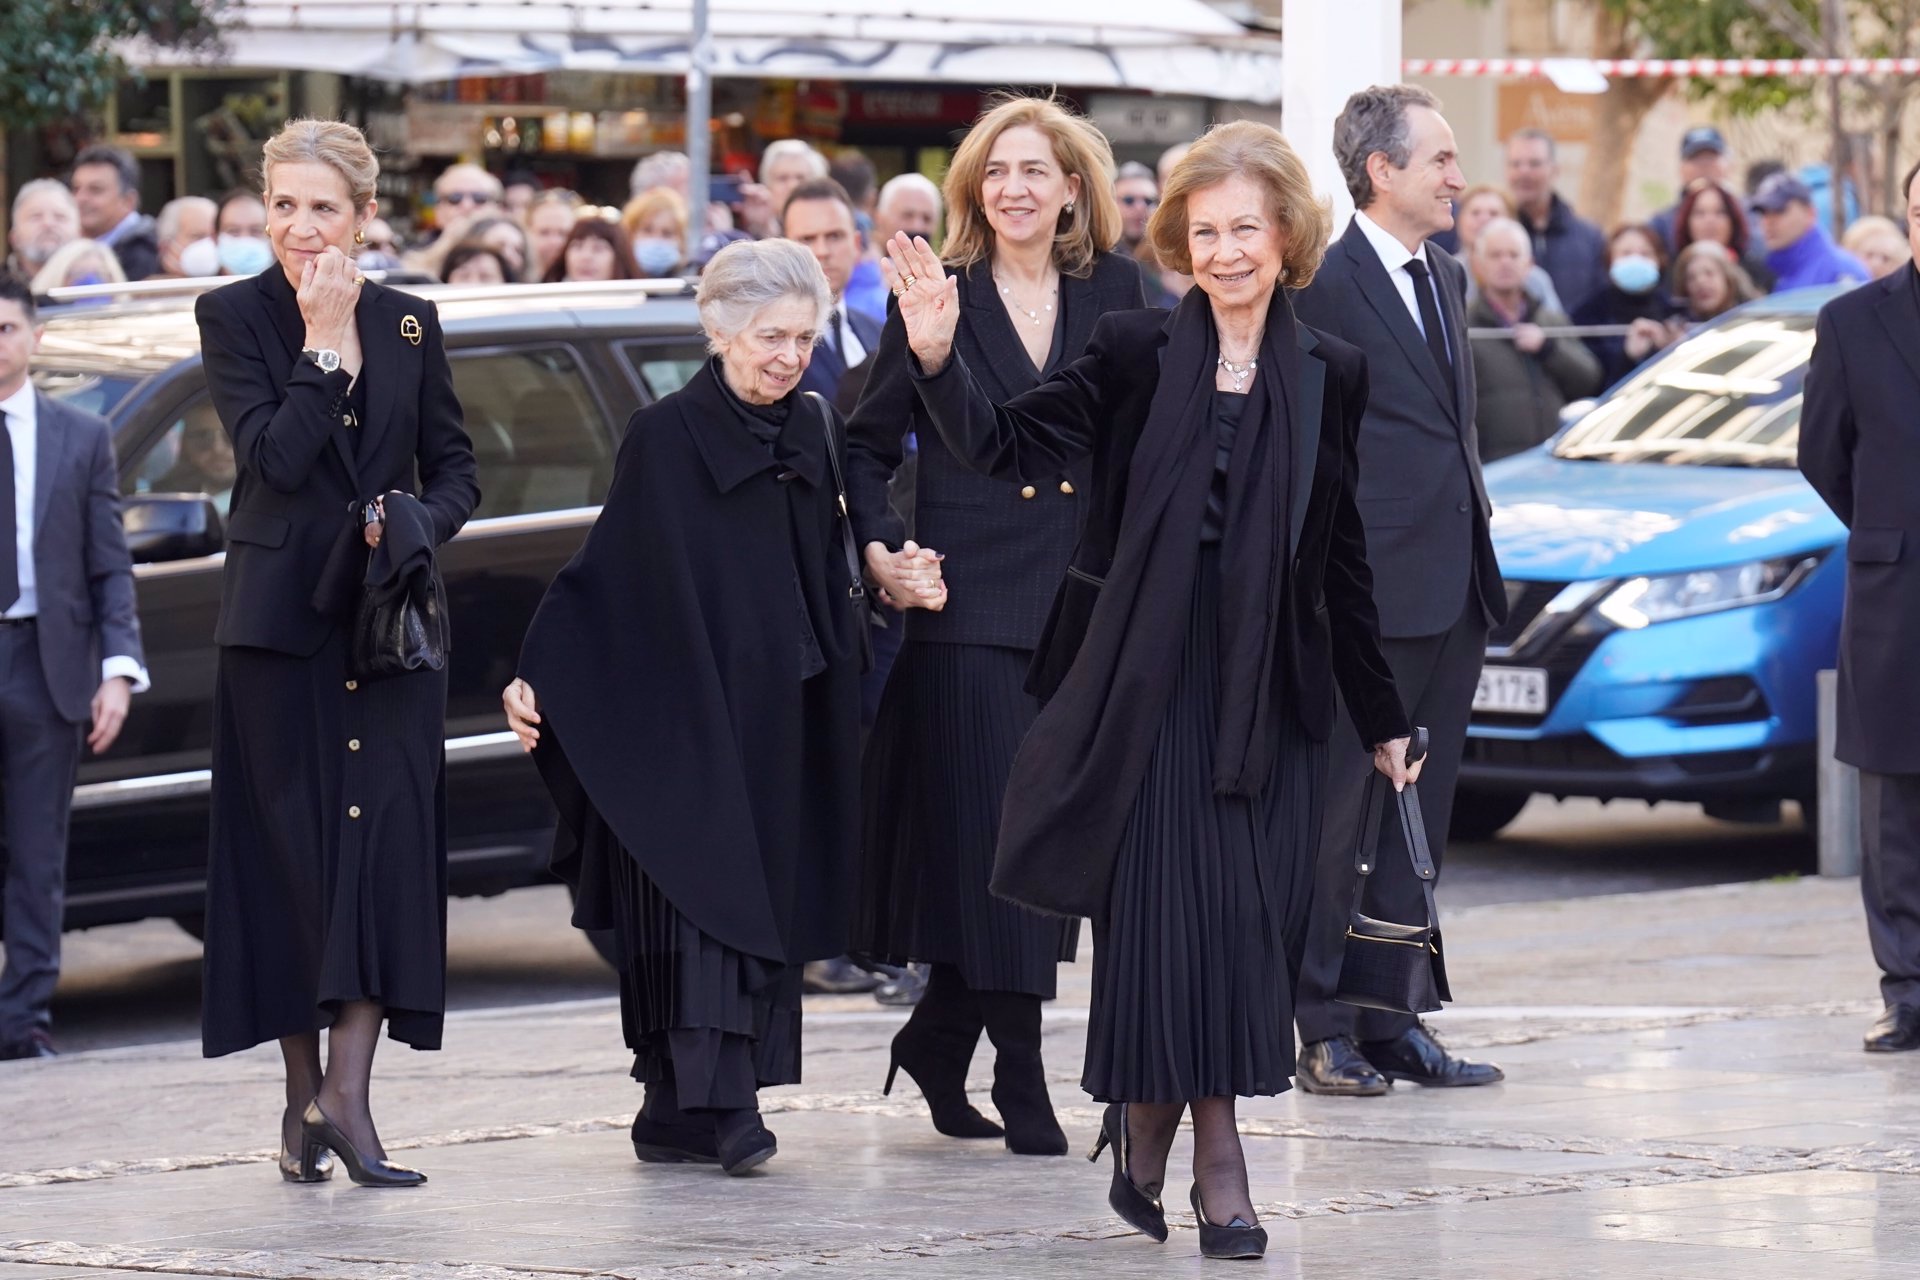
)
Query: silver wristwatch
[{"x": 327, "y": 360}]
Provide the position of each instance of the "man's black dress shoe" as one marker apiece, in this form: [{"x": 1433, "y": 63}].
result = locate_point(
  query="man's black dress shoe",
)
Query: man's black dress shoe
[
  {"x": 1336, "y": 1067},
  {"x": 837, "y": 977},
  {"x": 1417, "y": 1055},
  {"x": 38, "y": 1044},
  {"x": 1897, "y": 1031}
]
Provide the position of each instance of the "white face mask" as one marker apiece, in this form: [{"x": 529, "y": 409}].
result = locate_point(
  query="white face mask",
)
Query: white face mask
[{"x": 200, "y": 258}]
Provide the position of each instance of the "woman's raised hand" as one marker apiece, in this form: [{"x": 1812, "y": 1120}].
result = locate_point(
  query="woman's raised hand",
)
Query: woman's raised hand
[
  {"x": 329, "y": 291},
  {"x": 523, "y": 712},
  {"x": 929, "y": 298}
]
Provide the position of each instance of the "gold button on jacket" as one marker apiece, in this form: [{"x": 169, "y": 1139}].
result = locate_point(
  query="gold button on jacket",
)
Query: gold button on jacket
[
  {"x": 354, "y": 811},
  {"x": 1066, "y": 487},
  {"x": 1027, "y": 491}
]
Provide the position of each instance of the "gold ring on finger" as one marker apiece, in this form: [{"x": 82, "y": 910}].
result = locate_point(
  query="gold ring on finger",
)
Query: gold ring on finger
[{"x": 911, "y": 281}]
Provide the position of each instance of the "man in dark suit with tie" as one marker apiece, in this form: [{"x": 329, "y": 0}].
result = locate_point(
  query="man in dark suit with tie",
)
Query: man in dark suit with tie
[
  {"x": 1860, "y": 448},
  {"x": 819, "y": 215},
  {"x": 70, "y": 655},
  {"x": 1435, "y": 581}
]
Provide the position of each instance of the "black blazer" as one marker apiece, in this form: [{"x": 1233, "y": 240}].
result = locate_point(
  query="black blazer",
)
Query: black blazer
[
  {"x": 827, "y": 368},
  {"x": 1005, "y": 542},
  {"x": 1098, "y": 406},
  {"x": 296, "y": 460},
  {"x": 1860, "y": 450},
  {"x": 1421, "y": 496}
]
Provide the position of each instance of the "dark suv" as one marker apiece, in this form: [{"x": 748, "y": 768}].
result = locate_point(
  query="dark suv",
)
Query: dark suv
[{"x": 547, "y": 376}]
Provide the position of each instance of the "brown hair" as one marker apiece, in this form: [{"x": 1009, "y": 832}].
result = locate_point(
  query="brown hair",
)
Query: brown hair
[
  {"x": 624, "y": 267},
  {"x": 1740, "y": 286},
  {"x": 654, "y": 200},
  {"x": 338, "y": 145},
  {"x": 1092, "y": 225},
  {"x": 1646, "y": 232},
  {"x": 1738, "y": 237},
  {"x": 1471, "y": 194},
  {"x": 1257, "y": 152}
]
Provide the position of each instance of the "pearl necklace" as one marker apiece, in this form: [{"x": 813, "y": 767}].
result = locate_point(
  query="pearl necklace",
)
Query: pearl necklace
[
  {"x": 1030, "y": 314},
  {"x": 1239, "y": 372}
]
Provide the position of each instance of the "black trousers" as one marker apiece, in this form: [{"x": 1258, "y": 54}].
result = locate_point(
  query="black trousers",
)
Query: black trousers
[
  {"x": 1890, "y": 879},
  {"x": 39, "y": 751},
  {"x": 1437, "y": 676}
]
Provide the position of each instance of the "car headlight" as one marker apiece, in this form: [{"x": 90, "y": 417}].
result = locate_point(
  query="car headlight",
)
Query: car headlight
[{"x": 1639, "y": 601}]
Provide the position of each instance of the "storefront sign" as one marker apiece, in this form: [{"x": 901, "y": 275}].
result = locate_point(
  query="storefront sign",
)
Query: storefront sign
[
  {"x": 1536, "y": 104},
  {"x": 1133, "y": 119},
  {"x": 911, "y": 106},
  {"x": 444, "y": 128}
]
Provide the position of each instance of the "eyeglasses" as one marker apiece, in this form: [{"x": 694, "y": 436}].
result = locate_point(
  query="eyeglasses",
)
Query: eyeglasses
[
  {"x": 1149, "y": 201},
  {"x": 464, "y": 197}
]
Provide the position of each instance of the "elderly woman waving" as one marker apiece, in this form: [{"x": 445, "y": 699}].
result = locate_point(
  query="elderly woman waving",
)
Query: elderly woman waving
[
  {"x": 690, "y": 688},
  {"x": 1170, "y": 788}
]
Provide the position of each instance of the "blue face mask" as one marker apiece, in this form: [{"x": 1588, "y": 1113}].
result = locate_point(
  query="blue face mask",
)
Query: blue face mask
[
  {"x": 244, "y": 255},
  {"x": 656, "y": 256},
  {"x": 1635, "y": 274}
]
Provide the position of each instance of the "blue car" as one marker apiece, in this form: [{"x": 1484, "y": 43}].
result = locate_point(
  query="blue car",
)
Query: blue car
[{"x": 1674, "y": 586}]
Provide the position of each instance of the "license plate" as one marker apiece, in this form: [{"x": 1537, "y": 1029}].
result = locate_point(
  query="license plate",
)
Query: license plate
[{"x": 1512, "y": 691}]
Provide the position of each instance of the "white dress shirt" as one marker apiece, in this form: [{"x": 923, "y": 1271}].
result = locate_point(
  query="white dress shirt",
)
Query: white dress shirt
[
  {"x": 845, "y": 341},
  {"x": 23, "y": 425},
  {"x": 1395, "y": 257}
]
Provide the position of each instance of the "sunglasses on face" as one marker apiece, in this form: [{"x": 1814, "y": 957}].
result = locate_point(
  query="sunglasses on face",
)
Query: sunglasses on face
[
  {"x": 1149, "y": 201},
  {"x": 466, "y": 197}
]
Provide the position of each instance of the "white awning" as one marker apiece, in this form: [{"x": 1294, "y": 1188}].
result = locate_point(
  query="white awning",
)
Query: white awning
[{"x": 1164, "y": 46}]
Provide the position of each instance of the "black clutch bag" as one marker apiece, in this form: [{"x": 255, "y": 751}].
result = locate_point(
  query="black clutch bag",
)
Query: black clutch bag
[
  {"x": 1387, "y": 965},
  {"x": 400, "y": 630}
]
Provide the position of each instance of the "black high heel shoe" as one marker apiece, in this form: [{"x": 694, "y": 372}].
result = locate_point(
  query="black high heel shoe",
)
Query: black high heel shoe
[
  {"x": 1140, "y": 1208},
  {"x": 942, "y": 1080},
  {"x": 365, "y": 1170},
  {"x": 1235, "y": 1240},
  {"x": 313, "y": 1164}
]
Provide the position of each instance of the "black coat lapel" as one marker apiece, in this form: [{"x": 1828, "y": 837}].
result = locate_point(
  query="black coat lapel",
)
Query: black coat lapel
[
  {"x": 1378, "y": 289},
  {"x": 1306, "y": 380},
  {"x": 1453, "y": 314},
  {"x": 1084, "y": 306},
  {"x": 1901, "y": 312},
  {"x": 1004, "y": 368},
  {"x": 381, "y": 340}
]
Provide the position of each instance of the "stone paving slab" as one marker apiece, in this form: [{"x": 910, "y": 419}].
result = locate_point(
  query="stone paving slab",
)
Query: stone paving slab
[{"x": 1682, "y": 1128}]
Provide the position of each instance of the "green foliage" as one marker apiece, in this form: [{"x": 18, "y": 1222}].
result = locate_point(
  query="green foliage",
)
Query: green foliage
[
  {"x": 57, "y": 57},
  {"x": 1723, "y": 29}
]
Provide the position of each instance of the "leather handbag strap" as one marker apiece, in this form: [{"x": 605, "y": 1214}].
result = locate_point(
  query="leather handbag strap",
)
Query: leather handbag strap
[
  {"x": 857, "y": 583},
  {"x": 1413, "y": 828}
]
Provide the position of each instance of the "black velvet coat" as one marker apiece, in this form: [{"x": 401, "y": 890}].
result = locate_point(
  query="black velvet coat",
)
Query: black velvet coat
[
  {"x": 1080, "y": 765},
  {"x": 666, "y": 662}
]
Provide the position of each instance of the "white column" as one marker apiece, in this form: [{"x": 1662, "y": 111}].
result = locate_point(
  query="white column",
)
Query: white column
[{"x": 1331, "y": 49}]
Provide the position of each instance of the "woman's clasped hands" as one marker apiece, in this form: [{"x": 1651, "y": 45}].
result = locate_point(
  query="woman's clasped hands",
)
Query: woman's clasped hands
[{"x": 909, "y": 578}]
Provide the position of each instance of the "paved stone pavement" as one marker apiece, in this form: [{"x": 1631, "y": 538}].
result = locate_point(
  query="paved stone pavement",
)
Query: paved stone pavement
[{"x": 1686, "y": 1097}]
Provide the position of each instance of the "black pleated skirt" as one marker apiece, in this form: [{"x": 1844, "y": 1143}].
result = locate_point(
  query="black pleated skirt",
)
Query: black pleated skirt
[
  {"x": 720, "y": 1024},
  {"x": 934, "y": 774},
  {"x": 1195, "y": 967},
  {"x": 327, "y": 865}
]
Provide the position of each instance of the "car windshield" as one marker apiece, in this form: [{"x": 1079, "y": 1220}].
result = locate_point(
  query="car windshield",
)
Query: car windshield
[
  {"x": 1727, "y": 396},
  {"x": 83, "y": 390}
]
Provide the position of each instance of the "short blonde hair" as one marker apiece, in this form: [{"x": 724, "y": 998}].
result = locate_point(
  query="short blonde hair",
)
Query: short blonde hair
[
  {"x": 1257, "y": 152},
  {"x": 70, "y": 257},
  {"x": 644, "y": 207},
  {"x": 334, "y": 143},
  {"x": 1091, "y": 227},
  {"x": 1473, "y": 193}
]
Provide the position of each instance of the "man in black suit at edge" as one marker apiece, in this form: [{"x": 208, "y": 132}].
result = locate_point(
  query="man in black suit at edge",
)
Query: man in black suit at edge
[
  {"x": 1435, "y": 581},
  {"x": 70, "y": 654},
  {"x": 1860, "y": 448}
]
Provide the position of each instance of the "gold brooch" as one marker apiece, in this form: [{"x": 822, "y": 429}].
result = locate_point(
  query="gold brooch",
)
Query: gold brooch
[{"x": 410, "y": 329}]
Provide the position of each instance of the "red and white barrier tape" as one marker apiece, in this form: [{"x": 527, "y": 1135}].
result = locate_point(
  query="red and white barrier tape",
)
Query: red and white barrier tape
[{"x": 1657, "y": 67}]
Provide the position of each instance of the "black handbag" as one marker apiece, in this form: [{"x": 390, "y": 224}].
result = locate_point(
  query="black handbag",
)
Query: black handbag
[
  {"x": 1396, "y": 967},
  {"x": 864, "y": 616},
  {"x": 400, "y": 630}
]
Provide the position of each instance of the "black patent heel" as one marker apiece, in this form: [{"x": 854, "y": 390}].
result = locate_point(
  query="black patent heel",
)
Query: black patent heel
[
  {"x": 365, "y": 1170},
  {"x": 1230, "y": 1241},
  {"x": 1141, "y": 1211},
  {"x": 313, "y": 1164}
]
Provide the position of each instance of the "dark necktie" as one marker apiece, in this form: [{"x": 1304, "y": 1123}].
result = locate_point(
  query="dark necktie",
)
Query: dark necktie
[
  {"x": 10, "y": 569},
  {"x": 833, "y": 336},
  {"x": 1430, "y": 321}
]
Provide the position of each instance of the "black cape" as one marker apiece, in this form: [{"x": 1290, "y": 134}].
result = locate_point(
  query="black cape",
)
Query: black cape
[{"x": 666, "y": 660}]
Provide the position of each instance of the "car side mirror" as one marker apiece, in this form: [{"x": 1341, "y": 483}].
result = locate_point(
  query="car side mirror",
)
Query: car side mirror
[
  {"x": 172, "y": 526},
  {"x": 1574, "y": 410}
]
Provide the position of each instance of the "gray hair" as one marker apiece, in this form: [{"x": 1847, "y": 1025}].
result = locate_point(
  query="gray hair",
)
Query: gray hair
[
  {"x": 1506, "y": 226},
  {"x": 661, "y": 169},
  {"x": 1532, "y": 133},
  {"x": 167, "y": 225},
  {"x": 1375, "y": 119},
  {"x": 786, "y": 147},
  {"x": 1134, "y": 169},
  {"x": 748, "y": 276},
  {"x": 909, "y": 182},
  {"x": 43, "y": 187}
]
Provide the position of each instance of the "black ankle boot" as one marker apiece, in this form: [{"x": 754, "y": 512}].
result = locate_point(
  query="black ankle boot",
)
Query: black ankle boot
[
  {"x": 664, "y": 1134},
  {"x": 744, "y": 1142},
  {"x": 935, "y": 1048},
  {"x": 1019, "y": 1077}
]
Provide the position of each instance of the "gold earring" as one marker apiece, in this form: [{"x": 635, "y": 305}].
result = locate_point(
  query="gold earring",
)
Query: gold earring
[{"x": 359, "y": 236}]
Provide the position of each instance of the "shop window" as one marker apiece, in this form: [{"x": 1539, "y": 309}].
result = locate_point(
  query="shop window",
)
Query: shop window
[
  {"x": 537, "y": 430},
  {"x": 665, "y": 367}
]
